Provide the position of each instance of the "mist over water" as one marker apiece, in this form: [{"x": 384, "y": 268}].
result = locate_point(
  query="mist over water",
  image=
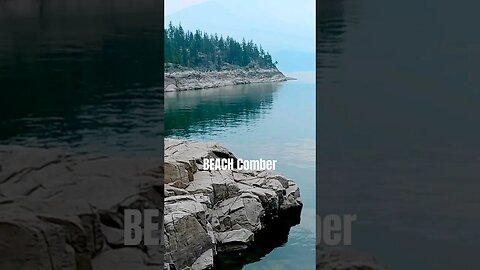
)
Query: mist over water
[{"x": 398, "y": 104}]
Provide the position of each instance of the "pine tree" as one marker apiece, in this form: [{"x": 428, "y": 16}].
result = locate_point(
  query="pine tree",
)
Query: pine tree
[{"x": 201, "y": 50}]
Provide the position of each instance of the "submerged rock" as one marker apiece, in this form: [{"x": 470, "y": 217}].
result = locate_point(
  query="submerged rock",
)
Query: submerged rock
[{"x": 217, "y": 212}]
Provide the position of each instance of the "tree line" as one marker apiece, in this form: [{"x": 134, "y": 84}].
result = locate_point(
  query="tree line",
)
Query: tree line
[{"x": 201, "y": 50}]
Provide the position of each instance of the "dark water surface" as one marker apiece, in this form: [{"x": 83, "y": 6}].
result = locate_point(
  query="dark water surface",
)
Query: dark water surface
[
  {"x": 82, "y": 74},
  {"x": 398, "y": 138},
  {"x": 268, "y": 121}
]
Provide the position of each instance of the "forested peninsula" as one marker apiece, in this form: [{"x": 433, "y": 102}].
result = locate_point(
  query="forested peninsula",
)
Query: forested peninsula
[{"x": 197, "y": 60}]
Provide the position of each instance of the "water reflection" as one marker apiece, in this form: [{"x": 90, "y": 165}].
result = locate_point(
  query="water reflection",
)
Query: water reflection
[
  {"x": 81, "y": 74},
  {"x": 270, "y": 121},
  {"x": 276, "y": 235},
  {"x": 398, "y": 139},
  {"x": 330, "y": 29},
  {"x": 190, "y": 113}
]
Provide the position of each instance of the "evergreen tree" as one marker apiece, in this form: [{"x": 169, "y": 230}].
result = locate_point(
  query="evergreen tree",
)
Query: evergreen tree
[{"x": 201, "y": 50}]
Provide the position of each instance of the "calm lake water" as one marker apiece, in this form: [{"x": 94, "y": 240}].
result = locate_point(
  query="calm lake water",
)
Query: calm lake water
[
  {"x": 84, "y": 75},
  {"x": 398, "y": 138},
  {"x": 269, "y": 121}
]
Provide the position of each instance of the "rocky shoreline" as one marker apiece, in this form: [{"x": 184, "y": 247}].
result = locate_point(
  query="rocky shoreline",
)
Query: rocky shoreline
[
  {"x": 188, "y": 79},
  {"x": 61, "y": 210},
  {"x": 224, "y": 210}
]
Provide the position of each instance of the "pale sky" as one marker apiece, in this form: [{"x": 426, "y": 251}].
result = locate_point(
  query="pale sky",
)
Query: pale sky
[{"x": 172, "y": 6}]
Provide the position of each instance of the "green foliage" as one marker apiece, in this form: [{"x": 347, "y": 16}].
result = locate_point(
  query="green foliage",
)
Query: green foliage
[{"x": 200, "y": 50}]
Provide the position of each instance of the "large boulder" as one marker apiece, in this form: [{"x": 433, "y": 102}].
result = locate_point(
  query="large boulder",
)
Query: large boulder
[{"x": 187, "y": 233}]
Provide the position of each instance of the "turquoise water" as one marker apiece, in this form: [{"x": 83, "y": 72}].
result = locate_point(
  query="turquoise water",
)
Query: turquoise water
[{"x": 269, "y": 121}]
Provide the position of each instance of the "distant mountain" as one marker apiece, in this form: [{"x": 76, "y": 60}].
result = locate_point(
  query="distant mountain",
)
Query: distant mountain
[{"x": 286, "y": 29}]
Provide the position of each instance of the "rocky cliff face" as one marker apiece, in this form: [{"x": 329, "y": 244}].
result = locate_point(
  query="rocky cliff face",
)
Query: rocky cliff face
[
  {"x": 193, "y": 80},
  {"x": 223, "y": 210},
  {"x": 62, "y": 210}
]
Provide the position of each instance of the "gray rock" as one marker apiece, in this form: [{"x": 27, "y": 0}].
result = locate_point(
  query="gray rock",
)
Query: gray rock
[
  {"x": 61, "y": 210},
  {"x": 234, "y": 240},
  {"x": 244, "y": 210},
  {"x": 171, "y": 88},
  {"x": 205, "y": 261},
  {"x": 225, "y": 209},
  {"x": 173, "y": 191},
  {"x": 186, "y": 79}
]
